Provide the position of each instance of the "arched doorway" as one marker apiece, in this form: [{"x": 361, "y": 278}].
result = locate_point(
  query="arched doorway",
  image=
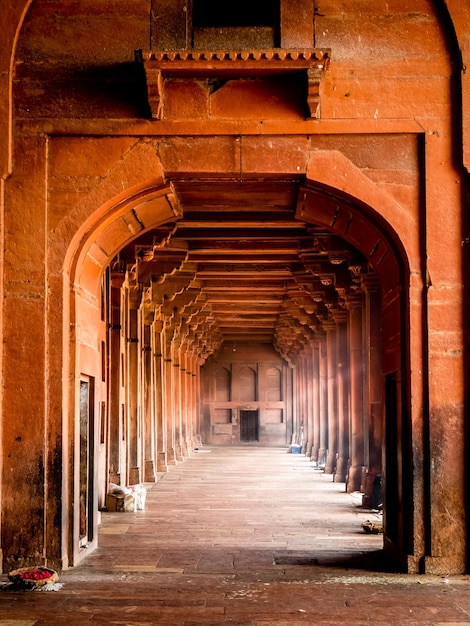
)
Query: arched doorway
[
  {"x": 290, "y": 275},
  {"x": 434, "y": 429}
]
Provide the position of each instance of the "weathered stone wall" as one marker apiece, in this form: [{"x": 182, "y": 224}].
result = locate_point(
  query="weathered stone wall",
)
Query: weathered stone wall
[{"x": 224, "y": 398}]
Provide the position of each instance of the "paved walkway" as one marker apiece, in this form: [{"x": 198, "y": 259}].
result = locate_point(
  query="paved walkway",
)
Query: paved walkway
[{"x": 244, "y": 536}]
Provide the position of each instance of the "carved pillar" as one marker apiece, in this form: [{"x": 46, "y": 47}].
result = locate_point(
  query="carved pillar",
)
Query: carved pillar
[
  {"x": 114, "y": 377},
  {"x": 132, "y": 377},
  {"x": 374, "y": 386},
  {"x": 303, "y": 400},
  {"x": 309, "y": 392},
  {"x": 356, "y": 468},
  {"x": 183, "y": 401},
  {"x": 342, "y": 393},
  {"x": 323, "y": 399},
  {"x": 147, "y": 401},
  {"x": 197, "y": 416},
  {"x": 168, "y": 399},
  {"x": 330, "y": 328},
  {"x": 176, "y": 389},
  {"x": 158, "y": 386},
  {"x": 191, "y": 398},
  {"x": 315, "y": 400},
  {"x": 295, "y": 398},
  {"x": 289, "y": 396},
  {"x": 298, "y": 397},
  {"x": 188, "y": 401}
]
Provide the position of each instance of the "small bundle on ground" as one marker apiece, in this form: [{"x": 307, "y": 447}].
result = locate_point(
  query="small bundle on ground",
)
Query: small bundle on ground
[{"x": 125, "y": 499}]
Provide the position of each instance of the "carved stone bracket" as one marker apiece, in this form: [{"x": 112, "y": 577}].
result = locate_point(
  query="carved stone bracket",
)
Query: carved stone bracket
[{"x": 232, "y": 64}]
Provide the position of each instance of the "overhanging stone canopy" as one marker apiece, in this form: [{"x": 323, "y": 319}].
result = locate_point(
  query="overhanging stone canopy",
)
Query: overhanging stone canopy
[
  {"x": 238, "y": 266},
  {"x": 226, "y": 65}
]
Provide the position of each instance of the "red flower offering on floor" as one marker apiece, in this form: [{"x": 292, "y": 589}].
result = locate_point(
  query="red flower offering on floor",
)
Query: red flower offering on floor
[{"x": 30, "y": 577}]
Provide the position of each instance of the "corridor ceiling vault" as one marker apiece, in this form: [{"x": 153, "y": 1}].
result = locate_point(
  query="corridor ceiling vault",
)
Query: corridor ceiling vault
[{"x": 256, "y": 271}]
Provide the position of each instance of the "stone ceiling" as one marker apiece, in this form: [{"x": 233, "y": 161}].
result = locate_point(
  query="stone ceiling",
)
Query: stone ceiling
[{"x": 240, "y": 265}]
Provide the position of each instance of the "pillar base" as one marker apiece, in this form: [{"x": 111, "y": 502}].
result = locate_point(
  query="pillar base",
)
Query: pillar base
[
  {"x": 149, "y": 472},
  {"x": 179, "y": 453},
  {"x": 354, "y": 480},
  {"x": 368, "y": 489},
  {"x": 161, "y": 462},
  {"x": 171, "y": 456},
  {"x": 134, "y": 476},
  {"x": 444, "y": 565},
  {"x": 314, "y": 454},
  {"x": 322, "y": 456},
  {"x": 330, "y": 465},
  {"x": 115, "y": 477},
  {"x": 341, "y": 472}
]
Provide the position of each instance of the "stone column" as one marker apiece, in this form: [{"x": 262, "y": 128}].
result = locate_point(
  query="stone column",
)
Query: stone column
[
  {"x": 330, "y": 328},
  {"x": 190, "y": 358},
  {"x": 147, "y": 400},
  {"x": 289, "y": 398},
  {"x": 168, "y": 402},
  {"x": 303, "y": 410},
  {"x": 186, "y": 398},
  {"x": 356, "y": 468},
  {"x": 298, "y": 397},
  {"x": 115, "y": 433},
  {"x": 342, "y": 368},
  {"x": 189, "y": 402},
  {"x": 323, "y": 399},
  {"x": 315, "y": 400},
  {"x": 184, "y": 402},
  {"x": 196, "y": 388},
  {"x": 158, "y": 386},
  {"x": 176, "y": 389},
  {"x": 374, "y": 386},
  {"x": 309, "y": 402},
  {"x": 134, "y": 296}
]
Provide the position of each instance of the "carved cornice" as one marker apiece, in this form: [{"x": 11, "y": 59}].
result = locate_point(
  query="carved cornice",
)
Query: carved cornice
[
  {"x": 232, "y": 64},
  {"x": 300, "y": 58}
]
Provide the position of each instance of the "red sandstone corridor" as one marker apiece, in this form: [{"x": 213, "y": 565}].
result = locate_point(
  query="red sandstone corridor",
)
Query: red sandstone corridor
[{"x": 248, "y": 536}]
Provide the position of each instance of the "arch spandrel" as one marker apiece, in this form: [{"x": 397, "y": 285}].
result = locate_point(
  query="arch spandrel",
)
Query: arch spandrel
[
  {"x": 358, "y": 230},
  {"x": 336, "y": 177},
  {"x": 132, "y": 198}
]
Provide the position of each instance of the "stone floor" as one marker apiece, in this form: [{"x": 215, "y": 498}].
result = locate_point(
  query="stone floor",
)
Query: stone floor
[{"x": 248, "y": 536}]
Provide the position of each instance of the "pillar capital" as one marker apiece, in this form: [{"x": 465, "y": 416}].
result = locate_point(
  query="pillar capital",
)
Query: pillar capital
[
  {"x": 370, "y": 283},
  {"x": 118, "y": 274},
  {"x": 328, "y": 325},
  {"x": 354, "y": 301},
  {"x": 340, "y": 316},
  {"x": 134, "y": 296},
  {"x": 356, "y": 270}
]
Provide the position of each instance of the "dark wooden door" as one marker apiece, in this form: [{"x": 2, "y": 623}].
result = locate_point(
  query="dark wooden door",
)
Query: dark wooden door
[{"x": 248, "y": 425}]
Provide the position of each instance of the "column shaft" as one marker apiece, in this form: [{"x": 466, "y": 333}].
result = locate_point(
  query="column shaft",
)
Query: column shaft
[
  {"x": 357, "y": 408},
  {"x": 330, "y": 465}
]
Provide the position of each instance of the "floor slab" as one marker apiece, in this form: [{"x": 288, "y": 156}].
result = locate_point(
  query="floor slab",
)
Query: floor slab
[{"x": 246, "y": 536}]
